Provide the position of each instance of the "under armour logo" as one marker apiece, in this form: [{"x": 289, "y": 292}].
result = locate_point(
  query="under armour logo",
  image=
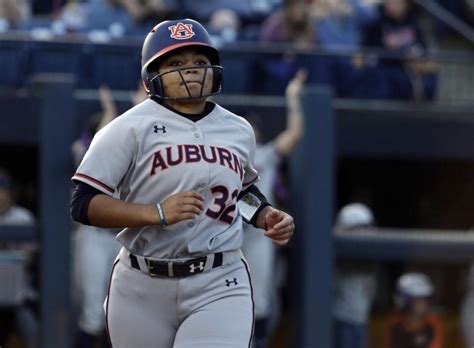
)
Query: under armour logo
[
  {"x": 192, "y": 267},
  {"x": 181, "y": 31},
  {"x": 162, "y": 129},
  {"x": 228, "y": 282}
]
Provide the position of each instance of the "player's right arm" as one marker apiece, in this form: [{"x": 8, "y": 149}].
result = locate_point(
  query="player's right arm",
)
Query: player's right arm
[
  {"x": 94, "y": 208},
  {"x": 103, "y": 167}
]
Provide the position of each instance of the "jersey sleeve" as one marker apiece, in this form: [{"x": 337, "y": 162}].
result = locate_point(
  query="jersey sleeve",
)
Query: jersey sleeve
[
  {"x": 251, "y": 174},
  {"x": 269, "y": 155},
  {"x": 108, "y": 157}
]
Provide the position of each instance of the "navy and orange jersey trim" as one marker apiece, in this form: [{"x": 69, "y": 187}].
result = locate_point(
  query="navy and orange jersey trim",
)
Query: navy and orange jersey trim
[{"x": 97, "y": 182}]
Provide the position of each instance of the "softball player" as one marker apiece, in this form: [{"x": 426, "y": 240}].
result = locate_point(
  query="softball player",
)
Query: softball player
[
  {"x": 259, "y": 251},
  {"x": 94, "y": 248},
  {"x": 177, "y": 172}
]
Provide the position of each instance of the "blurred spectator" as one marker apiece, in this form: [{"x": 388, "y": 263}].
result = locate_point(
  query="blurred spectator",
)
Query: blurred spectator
[
  {"x": 258, "y": 249},
  {"x": 467, "y": 310},
  {"x": 248, "y": 11},
  {"x": 223, "y": 26},
  {"x": 96, "y": 248},
  {"x": 147, "y": 11},
  {"x": 354, "y": 285},
  {"x": 397, "y": 30},
  {"x": 414, "y": 324},
  {"x": 289, "y": 25},
  {"x": 21, "y": 319},
  {"x": 108, "y": 16},
  {"x": 11, "y": 214},
  {"x": 10, "y": 14},
  {"x": 116, "y": 18},
  {"x": 72, "y": 18},
  {"x": 408, "y": 73},
  {"x": 358, "y": 77},
  {"x": 420, "y": 80},
  {"x": 339, "y": 22}
]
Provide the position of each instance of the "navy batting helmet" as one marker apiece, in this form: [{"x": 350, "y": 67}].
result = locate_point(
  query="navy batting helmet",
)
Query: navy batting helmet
[{"x": 168, "y": 36}]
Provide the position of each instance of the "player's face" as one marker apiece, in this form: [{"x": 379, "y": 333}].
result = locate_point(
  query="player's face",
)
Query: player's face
[{"x": 194, "y": 80}]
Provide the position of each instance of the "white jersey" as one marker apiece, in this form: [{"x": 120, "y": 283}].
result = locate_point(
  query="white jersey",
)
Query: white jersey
[
  {"x": 266, "y": 161},
  {"x": 354, "y": 293},
  {"x": 150, "y": 153}
]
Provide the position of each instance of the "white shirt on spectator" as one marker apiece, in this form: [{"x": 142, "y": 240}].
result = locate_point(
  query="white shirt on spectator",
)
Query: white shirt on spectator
[{"x": 17, "y": 216}]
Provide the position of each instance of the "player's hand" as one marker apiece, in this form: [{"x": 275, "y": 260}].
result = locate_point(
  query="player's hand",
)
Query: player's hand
[
  {"x": 182, "y": 206},
  {"x": 279, "y": 226},
  {"x": 293, "y": 90}
]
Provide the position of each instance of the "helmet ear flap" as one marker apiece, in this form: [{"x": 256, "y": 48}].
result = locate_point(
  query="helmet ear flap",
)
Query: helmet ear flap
[
  {"x": 218, "y": 77},
  {"x": 146, "y": 81},
  {"x": 156, "y": 88},
  {"x": 152, "y": 83}
]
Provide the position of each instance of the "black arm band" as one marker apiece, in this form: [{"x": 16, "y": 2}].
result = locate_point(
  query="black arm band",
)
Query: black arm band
[
  {"x": 80, "y": 200},
  {"x": 251, "y": 202}
]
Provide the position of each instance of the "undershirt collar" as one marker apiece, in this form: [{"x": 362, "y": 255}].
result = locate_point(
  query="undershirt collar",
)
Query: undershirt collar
[{"x": 192, "y": 117}]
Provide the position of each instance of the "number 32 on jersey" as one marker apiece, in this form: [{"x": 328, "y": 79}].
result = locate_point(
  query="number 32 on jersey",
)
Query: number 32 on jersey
[{"x": 220, "y": 210}]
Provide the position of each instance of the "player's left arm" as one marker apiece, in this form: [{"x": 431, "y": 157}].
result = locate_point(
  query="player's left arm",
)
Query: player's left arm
[
  {"x": 278, "y": 225},
  {"x": 255, "y": 209}
]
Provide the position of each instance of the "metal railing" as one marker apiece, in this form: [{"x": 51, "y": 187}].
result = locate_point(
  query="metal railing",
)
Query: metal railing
[{"x": 95, "y": 63}]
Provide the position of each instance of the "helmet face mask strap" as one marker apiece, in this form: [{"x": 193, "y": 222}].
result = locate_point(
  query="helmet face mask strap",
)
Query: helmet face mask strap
[
  {"x": 203, "y": 83},
  {"x": 157, "y": 90}
]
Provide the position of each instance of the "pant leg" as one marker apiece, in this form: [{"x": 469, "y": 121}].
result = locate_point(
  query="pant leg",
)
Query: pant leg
[
  {"x": 140, "y": 310},
  {"x": 95, "y": 249},
  {"x": 217, "y": 307},
  {"x": 27, "y": 326},
  {"x": 349, "y": 335},
  {"x": 259, "y": 252}
]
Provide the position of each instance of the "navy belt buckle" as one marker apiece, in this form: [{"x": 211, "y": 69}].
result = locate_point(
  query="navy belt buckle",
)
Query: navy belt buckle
[{"x": 154, "y": 269}]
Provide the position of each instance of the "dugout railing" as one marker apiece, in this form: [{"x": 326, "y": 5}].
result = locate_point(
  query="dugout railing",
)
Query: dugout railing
[{"x": 117, "y": 63}]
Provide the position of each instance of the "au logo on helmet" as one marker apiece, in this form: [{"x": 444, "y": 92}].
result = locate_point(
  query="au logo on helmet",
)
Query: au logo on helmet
[{"x": 181, "y": 31}]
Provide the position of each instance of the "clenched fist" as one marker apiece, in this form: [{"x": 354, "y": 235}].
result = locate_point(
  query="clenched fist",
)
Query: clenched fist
[
  {"x": 278, "y": 225},
  {"x": 182, "y": 206}
]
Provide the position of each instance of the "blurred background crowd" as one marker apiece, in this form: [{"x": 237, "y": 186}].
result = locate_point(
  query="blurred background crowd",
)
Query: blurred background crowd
[
  {"x": 369, "y": 48},
  {"x": 410, "y": 59}
]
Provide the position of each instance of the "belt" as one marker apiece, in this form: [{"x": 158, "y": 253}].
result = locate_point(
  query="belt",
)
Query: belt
[{"x": 180, "y": 268}]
